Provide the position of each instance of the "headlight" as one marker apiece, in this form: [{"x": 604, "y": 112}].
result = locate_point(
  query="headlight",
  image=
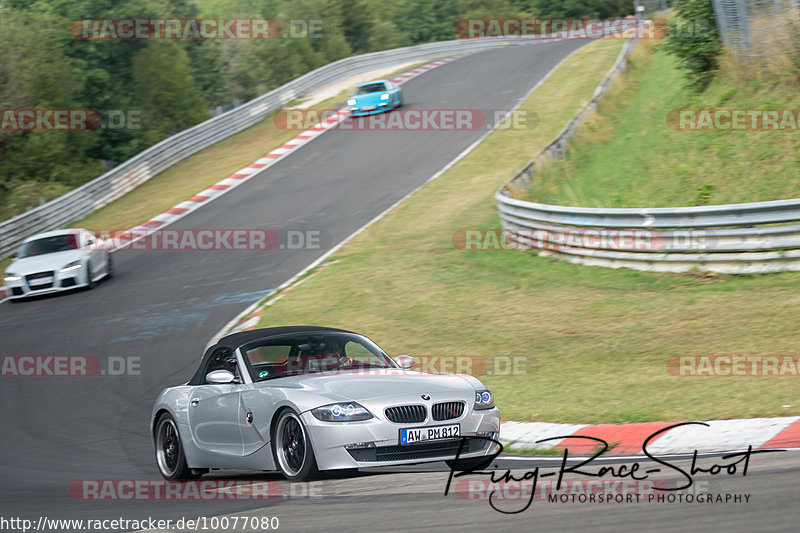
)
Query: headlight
[
  {"x": 484, "y": 400},
  {"x": 384, "y": 96},
  {"x": 341, "y": 412},
  {"x": 11, "y": 277},
  {"x": 72, "y": 266},
  {"x": 351, "y": 101}
]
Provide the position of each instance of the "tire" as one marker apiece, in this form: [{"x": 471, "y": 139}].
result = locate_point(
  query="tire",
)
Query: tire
[
  {"x": 399, "y": 101},
  {"x": 475, "y": 463},
  {"x": 109, "y": 267},
  {"x": 292, "y": 449},
  {"x": 170, "y": 458}
]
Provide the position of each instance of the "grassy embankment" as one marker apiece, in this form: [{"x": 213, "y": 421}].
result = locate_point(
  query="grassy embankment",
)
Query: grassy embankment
[{"x": 595, "y": 340}]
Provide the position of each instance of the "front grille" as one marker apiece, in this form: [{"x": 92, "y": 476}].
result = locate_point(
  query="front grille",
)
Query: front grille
[
  {"x": 36, "y": 276},
  {"x": 405, "y": 414},
  {"x": 447, "y": 410},
  {"x": 39, "y": 275},
  {"x": 418, "y": 451}
]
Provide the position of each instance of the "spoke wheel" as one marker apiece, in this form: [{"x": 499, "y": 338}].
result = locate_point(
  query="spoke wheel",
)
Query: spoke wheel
[
  {"x": 293, "y": 451},
  {"x": 169, "y": 452}
]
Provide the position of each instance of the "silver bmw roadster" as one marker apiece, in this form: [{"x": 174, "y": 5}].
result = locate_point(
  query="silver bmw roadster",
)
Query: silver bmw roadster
[{"x": 303, "y": 399}]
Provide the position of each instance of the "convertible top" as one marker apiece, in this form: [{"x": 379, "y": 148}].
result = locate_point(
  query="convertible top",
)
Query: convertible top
[{"x": 234, "y": 340}]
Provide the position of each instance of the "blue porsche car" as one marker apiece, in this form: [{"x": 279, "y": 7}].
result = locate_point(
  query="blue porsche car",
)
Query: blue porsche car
[{"x": 374, "y": 97}]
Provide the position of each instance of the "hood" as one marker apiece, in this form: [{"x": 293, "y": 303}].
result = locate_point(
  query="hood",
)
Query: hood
[
  {"x": 385, "y": 383},
  {"x": 39, "y": 263}
]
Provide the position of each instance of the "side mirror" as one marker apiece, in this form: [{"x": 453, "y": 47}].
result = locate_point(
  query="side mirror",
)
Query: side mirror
[
  {"x": 405, "y": 361},
  {"x": 219, "y": 377},
  {"x": 14, "y": 255}
]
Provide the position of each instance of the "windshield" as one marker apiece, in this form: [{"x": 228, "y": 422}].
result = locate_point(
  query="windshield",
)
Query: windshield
[
  {"x": 371, "y": 88},
  {"x": 49, "y": 245},
  {"x": 313, "y": 352}
]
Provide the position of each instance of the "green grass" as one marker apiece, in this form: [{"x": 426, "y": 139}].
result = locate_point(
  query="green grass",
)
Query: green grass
[
  {"x": 628, "y": 156},
  {"x": 596, "y": 341}
]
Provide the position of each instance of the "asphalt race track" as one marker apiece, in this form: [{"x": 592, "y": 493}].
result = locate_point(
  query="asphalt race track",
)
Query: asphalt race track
[{"x": 162, "y": 307}]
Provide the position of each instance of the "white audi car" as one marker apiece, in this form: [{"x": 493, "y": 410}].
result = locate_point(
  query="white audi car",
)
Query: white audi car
[{"x": 57, "y": 261}]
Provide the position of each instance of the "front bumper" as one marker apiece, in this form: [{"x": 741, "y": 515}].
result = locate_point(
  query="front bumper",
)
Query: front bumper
[
  {"x": 360, "y": 111},
  {"x": 376, "y": 442},
  {"x": 23, "y": 288}
]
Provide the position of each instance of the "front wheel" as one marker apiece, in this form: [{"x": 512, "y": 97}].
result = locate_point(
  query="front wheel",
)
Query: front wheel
[
  {"x": 169, "y": 451},
  {"x": 294, "y": 454}
]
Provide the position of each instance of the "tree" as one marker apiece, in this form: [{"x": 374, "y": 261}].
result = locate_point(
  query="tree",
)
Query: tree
[
  {"x": 165, "y": 88},
  {"x": 692, "y": 37}
]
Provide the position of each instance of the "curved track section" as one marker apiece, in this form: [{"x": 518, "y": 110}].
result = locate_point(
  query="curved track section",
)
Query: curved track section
[{"x": 163, "y": 306}]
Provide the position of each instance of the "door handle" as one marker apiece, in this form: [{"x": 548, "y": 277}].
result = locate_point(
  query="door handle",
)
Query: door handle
[{"x": 194, "y": 402}]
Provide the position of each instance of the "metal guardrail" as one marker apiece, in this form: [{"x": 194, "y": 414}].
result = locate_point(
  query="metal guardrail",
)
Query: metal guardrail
[
  {"x": 735, "y": 238},
  {"x": 116, "y": 182}
]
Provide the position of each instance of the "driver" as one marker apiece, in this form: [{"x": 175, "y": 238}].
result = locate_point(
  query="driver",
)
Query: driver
[{"x": 334, "y": 350}]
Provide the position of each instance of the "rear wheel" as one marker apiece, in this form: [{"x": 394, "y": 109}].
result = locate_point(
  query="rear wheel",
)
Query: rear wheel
[
  {"x": 294, "y": 454},
  {"x": 169, "y": 451},
  {"x": 109, "y": 267}
]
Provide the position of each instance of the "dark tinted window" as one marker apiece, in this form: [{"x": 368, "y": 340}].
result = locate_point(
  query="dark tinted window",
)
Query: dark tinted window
[
  {"x": 371, "y": 88},
  {"x": 221, "y": 359},
  {"x": 312, "y": 352},
  {"x": 49, "y": 245}
]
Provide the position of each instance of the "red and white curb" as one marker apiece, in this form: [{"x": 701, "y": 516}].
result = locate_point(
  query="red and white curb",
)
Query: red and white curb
[
  {"x": 627, "y": 439},
  {"x": 242, "y": 175},
  {"x": 720, "y": 435}
]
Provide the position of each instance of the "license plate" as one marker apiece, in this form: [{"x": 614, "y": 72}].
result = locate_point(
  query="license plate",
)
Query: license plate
[
  {"x": 412, "y": 435},
  {"x": 40, "y": 281},
  {"x": 368, "y": 108}
]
